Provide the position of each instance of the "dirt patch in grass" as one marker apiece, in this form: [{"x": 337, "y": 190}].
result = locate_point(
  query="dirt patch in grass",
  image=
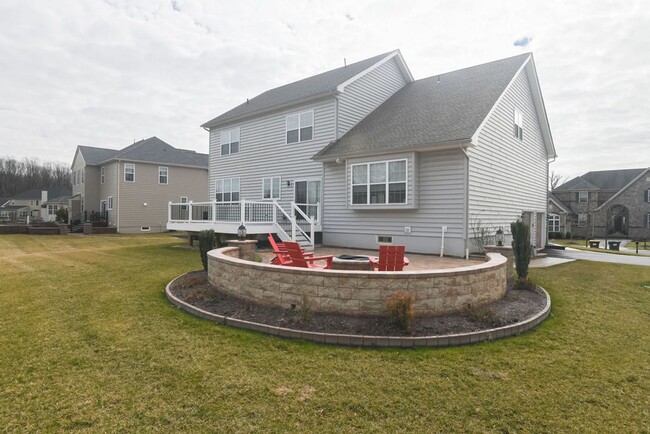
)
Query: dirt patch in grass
[{"x": 517, "y": 305}]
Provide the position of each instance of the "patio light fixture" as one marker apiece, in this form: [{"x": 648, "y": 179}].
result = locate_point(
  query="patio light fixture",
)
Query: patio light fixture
[
  {"x": 500, "y": 237},
  {"x": 241, "y": 232}
]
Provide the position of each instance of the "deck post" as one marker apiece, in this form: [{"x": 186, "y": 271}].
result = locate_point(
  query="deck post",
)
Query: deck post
[
  {"x": 293, "y": 221},
  {"x": 214, "y": 211},
  {"x": 189, "y": 209},
  {"x": 169, "y": 211},
  {"x": 242, "y": 211}
]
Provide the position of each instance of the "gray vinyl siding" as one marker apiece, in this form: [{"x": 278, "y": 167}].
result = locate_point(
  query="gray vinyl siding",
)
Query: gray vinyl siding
[
  {"x": 437, "y": 189},
  {"x": 367, "y": 93},
  {"x": 182, "y": 181},
  {"x": 508, "y": 175},
  {"x": 91, "y": 189},
  {"x": 263, "y": 152}
]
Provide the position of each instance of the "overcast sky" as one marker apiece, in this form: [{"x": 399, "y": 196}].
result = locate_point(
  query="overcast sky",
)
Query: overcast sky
[{"x": 106, "y": 73}]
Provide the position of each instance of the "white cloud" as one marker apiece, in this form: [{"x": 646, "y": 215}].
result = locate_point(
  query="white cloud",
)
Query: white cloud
[{"x": 104, "y": 73}]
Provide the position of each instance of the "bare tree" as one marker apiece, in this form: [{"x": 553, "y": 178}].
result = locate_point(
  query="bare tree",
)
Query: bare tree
[
  {"x": 555, "y": 180},
  {"x": 17, "y": 176}
]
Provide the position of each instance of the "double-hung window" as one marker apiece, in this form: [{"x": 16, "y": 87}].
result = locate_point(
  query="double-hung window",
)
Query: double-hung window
[
  {"x": 519, "y": 124},
  {"x": 647, "y": 218},
  {"x": 271, "y": 188},
  {"x": 553, "y": 223},
  {"x": 300, "y": 127},
  {"x": 382, "y": 182},
  {"x": 52, "y": 209},
  {"x": 102, "y": 174},
  {"x": 110, "y": 202},
  {"x": 230, "y": 141},
  {"x": 583, "y": 196},
  {"x": 582, "y": 220},
  {"x": 163, "y": 175},
  {"x": 129, "y": 172},
  {"x": 227, "y": 190},
  {"x": 647, "y": 196}
]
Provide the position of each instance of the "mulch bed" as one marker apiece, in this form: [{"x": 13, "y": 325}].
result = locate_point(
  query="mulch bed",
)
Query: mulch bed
[{"x": 516, "y": 306}]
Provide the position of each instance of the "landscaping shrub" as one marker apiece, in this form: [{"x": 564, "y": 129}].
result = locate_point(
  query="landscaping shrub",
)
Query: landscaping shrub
[
  {"x": 568, "y": 236},
  {"x": 304, "y": 309},
  {"x": 62, "y": 215},
  {"x": 482, "y": 314},
  {"x": 522, "y": 251},
  {"x": 400, "y": 309},
  {"x": 206, "y": 243}
]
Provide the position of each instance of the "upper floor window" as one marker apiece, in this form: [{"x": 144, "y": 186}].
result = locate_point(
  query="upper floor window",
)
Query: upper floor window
[
  {"x": 83, "y": 176},
  {"x": 271, "y": 188},
  {"x": 227, "y": 190},
  {"x": 519, "y": 124},
  {"x": 582, "y": 219},
  {"x": 102, "y": 174},
  {"x": 647, "y": 195},
  {"x": 230, "y": 142},
  {"x": 583, "y": 196},
  {"x": 129, "y": 172},
  {"x": 379, "y": 183},
  {"x": 163, "y": 175},
  {"x": 300, "y": 127}
]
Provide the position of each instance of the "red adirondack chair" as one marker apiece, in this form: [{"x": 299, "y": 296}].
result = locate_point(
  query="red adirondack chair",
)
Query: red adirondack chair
[
  {"x": 281, "y": 257},
  {"x": 391, "y": 258},
  {"x": 300, "y": 259}
]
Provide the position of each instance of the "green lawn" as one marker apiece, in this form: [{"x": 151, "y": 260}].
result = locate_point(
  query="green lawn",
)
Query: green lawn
[
  {"x": 580, "y": 245},
  {"x": 89, "y": 342}
]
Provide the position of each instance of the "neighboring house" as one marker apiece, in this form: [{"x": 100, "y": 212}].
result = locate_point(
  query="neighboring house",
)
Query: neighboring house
[
  {"x": 558, "y": 221},
  {"x": 35, "y": 204},
  {"x": 606, "y": 203},
  {"x": 130, "y": 188},
  {"x": 375, "y": 156}
]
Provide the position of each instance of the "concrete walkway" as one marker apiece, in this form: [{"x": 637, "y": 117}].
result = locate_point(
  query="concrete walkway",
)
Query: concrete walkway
[{"x": 573, "y": 254}]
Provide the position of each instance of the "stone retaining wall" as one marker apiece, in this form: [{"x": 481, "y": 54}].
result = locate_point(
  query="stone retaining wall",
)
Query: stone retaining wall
[
  {"x": 34, "y": 230},
  {"x": 357, "y": 292}
]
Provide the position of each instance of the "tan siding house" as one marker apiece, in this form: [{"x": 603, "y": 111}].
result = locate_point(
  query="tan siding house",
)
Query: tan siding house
[{"x": 130, "y": 188}]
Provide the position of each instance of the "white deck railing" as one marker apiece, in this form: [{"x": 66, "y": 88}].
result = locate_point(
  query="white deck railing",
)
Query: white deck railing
[{"x": 292, "y": 225}]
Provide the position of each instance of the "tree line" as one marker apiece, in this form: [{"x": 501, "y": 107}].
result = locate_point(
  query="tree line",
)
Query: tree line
[{"x": 17, "y": 176}]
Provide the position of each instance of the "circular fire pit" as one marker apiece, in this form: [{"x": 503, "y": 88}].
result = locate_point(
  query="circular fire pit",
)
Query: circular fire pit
[{"x": 352, "y": 262}]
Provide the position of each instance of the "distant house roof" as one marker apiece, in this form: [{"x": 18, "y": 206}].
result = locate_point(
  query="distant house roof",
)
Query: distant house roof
[
  {"x": 14, "y": 207},
  {"x": 602, "y": 180},
  {"x": 553, "y": 198},
  {"x": 151, "y": 150},
  {"x": 314, "y": 86},
  {"x": 94, "y": 156},
  {"x": 35, "y": 193},
  {"x": 440, "y": 110},
  {"x": 3, "y": 200}
]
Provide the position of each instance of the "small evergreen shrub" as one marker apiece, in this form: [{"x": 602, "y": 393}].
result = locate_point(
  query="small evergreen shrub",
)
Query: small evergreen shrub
[
  {"x": 206, "y": 243},
  {"x": 62, "y": 215},
  {"x": 400, "y": 309},
  {"x": 304, "y": 309},
  {"x": 522, "y": 251}
]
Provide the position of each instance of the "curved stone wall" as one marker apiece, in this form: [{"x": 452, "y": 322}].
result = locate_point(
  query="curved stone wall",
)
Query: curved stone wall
[{"x": 357, "y": 292}]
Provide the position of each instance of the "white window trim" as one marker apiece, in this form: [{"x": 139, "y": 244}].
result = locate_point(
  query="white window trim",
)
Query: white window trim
[
  {"x": 52, "y": 209},
  {"x": 230, "y": 142},
  {"x": 647, "y": 217},
  {"x": 271, "y": 180},
  {"x": 582, "y": 223},
  {"x": 102, "y": 174},
  {"x": 552, "y": 219},
  {"x": 586, "y": 194},
  {"x": 109, "y": 203},
  {"x": 231, "y": 190},
  {"x": 130, "y": 165},
  {"x": 184, "y": 199},
  {"x": 286, "y": 127},
  {"x": 166, "y": 175},
  {"x": 387, "y": 183},
  {"x": 145, "y": 229}
]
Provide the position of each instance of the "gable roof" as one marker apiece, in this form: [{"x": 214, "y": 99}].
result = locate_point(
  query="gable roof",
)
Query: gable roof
[
  {"x": 308, "y": 88},
  {"x": 641, "y": 173},
  {"x": 602, "y": 180},
  {"x": 434, "y": 112},
  {"x": 3, "y": 200},
  {"x": 94, "y": 156},
  {"x": 556, "y": 200},
  {"x": 151, "y": 150}
]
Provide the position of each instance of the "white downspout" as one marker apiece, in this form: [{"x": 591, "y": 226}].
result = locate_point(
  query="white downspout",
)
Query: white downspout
[
  {"x": 117, "y": 214},
  {"x": 442, "y": 242},
  {"x": 466, "y": 216}
]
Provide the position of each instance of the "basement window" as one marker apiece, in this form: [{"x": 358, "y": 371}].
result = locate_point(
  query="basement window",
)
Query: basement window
[
  {"x": 145, "y": 228},
  {"x": 384, "y": 239}
]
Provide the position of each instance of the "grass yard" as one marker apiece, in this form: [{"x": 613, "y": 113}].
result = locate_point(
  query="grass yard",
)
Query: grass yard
[
  {"x": 580, "y": 245},
  {"x": 89, "y": 342}
]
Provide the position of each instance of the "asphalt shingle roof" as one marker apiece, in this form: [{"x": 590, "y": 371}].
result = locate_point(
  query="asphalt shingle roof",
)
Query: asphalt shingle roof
[
  {"x": 94, "y": 156},
  {"x": 155, "y": 150},
  {"x": 296, "y": 91},
  {"x": 601, "y": 180},
  {"x": 152, "y": 150},
  {"x": 35, "y": 193},
  {"x": 445, "y": 108}
]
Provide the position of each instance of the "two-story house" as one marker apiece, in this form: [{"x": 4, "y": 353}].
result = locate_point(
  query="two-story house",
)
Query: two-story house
[
  {"x": 34, "y": 204},
  {"x": 365, "y": 154},
  {"x": 130, "y": 188},
  {"x": 604, "y": 203}
]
